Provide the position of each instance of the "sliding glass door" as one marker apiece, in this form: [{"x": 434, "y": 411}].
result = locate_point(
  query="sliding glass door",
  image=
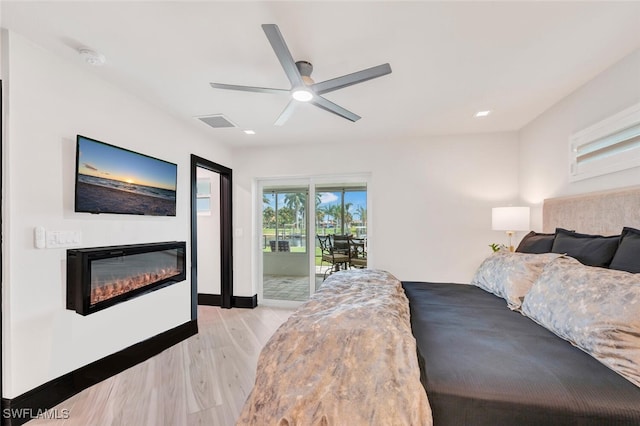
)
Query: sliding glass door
[
  {"x": 294, "y": 218},
  {"x": 341, "y": 211}
]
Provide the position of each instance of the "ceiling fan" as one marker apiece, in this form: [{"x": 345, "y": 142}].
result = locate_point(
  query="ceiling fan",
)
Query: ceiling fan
[{"x": 303, "y": 88}]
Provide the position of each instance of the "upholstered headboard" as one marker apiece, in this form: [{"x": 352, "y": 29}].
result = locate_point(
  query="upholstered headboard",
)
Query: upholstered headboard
[{"x": 604, "y": 213}]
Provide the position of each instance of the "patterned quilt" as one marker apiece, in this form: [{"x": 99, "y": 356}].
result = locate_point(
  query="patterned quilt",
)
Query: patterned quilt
[{"x": 345, "y": 357}]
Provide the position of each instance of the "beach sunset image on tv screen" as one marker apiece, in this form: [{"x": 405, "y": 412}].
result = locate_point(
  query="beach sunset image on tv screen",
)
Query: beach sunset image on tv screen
[{"x": 115, "y": 180}]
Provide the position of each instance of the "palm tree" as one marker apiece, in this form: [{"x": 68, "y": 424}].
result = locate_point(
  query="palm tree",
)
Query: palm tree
[
  {"x": 335, "y": 211},
  {"x": 268, "y": 217},
  {"x": 348, "y": 218},
  {"x": 285, "y": 215},
  {"x": 296, "y": 201},
  {"x": 321, "y": 212},
  {"x": 362, "y": 212}
]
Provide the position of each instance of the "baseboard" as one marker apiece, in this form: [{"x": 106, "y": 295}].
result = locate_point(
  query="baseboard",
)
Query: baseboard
[
  {"x": 209, "y": 299},
  {"x": 236, "y": 301},
  {"x": 33, "y": 403},
  {"x": 244, "y": 301}
]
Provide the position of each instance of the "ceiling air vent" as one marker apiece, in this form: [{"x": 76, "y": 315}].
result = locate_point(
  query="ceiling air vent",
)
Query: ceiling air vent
[{"x": 217, "y": 121}]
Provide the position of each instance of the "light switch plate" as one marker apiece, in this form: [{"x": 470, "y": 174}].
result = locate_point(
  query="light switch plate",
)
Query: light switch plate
[{"x": 39, "y": 237}]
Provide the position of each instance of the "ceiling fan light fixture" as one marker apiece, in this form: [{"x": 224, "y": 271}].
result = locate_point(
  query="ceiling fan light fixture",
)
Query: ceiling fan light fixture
[
  {"x": 303, "y": 88},
  {"x": 302, "y": 95}
]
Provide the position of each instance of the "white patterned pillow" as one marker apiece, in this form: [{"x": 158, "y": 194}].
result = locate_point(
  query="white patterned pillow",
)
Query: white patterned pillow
[
  {"x": 596, "y": 309},
  {"x": 511, "y": 275}
]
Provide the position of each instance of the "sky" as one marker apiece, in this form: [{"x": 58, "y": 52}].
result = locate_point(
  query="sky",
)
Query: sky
[
  {"x": 109, "y": 162},
  {"x": 357, "y": 198}
]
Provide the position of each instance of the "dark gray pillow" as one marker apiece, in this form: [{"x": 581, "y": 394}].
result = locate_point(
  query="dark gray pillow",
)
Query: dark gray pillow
[
  {"x": 536, "y": 243},
  {"x": 591, "y": 250},
  {"x": 627, "y": 257}
]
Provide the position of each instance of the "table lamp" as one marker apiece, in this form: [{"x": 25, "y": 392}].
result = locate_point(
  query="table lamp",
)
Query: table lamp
[{"x": 510, "y": 219}]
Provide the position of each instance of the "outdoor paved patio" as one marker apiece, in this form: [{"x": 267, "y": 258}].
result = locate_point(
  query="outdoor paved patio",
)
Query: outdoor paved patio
[{"x": 285, "y": 287}]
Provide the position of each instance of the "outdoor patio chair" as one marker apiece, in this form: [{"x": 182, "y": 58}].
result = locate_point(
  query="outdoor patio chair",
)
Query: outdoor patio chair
[
  {"x": 330, "y": 255},
  {"x": 282, "y": 246},
  {"x": 341, "y": 243},
  {"x": 357, "y": 253}
]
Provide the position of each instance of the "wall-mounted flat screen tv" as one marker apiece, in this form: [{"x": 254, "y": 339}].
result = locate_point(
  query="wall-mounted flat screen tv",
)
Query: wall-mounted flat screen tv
[{"x": 110, "y": 179}]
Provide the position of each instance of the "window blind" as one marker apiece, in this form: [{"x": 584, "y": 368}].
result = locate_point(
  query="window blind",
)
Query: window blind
[{"x": 606, "y": 147}]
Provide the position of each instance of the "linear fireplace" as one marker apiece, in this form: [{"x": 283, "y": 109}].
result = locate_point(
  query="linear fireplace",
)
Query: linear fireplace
[{"x": 100, "y": 277}]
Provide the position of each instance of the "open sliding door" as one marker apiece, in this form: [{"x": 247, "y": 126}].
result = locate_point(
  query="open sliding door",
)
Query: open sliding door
[{"x": 285, "y": 243}]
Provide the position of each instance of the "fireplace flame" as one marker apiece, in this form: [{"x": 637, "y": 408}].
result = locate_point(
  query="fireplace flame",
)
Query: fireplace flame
[{"x": 101, "y": 292}]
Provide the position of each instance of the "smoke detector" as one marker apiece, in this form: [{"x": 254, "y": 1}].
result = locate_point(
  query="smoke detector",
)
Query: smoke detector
[{"x": 92, "y": 57}]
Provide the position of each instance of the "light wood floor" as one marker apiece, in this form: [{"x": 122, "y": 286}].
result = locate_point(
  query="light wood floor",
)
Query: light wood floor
[{"x": 203, "y": 380}]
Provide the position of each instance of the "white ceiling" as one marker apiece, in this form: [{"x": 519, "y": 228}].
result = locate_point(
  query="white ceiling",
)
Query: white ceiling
[{"x": 449, "y": 59}]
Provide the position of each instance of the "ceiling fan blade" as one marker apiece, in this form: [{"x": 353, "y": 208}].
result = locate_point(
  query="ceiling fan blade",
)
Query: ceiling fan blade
[
  {"x": 282, "y": 52},
  {"x": 351, "y": 79},
  {"x": 286, "y": 113},
  {"x": 327, "y": 105},
  {"x": 247, "y": 88}
]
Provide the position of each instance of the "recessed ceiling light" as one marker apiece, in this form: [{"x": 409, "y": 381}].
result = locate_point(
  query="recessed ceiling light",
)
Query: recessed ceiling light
[
  {"x": 250, "y": 132},
  {"x": 482, "y": 113},
  {"x": 91, "y": 57}
]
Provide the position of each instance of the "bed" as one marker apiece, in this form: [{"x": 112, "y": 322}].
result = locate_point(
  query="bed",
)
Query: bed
[
  {"x": 483, "y": 364},
  {"x": 540, "y": 337},
  {"x": 345, "y": 357}
]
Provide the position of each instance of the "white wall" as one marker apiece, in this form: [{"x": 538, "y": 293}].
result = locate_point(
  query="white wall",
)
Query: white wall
[
  {"x": 431, "y": 199},
  {"x": 2, "y": 46},
  {"x": 48, "y": 102},
  {"x": 544, "y": 143},
  {"x": 209, "y": 239}
]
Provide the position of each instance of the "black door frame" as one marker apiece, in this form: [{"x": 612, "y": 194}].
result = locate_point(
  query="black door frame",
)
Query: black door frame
[
  {"x": 226, "y": 237},
  {"x": 1, "y": 236}
]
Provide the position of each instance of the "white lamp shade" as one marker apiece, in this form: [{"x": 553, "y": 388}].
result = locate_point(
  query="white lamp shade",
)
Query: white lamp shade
[{"x": 510, "y": 218}]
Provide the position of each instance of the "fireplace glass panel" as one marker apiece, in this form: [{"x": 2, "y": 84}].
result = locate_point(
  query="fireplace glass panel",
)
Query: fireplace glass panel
[
  {"x": 100, "y": 277},
  {"x": 114, "y": 276}
]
